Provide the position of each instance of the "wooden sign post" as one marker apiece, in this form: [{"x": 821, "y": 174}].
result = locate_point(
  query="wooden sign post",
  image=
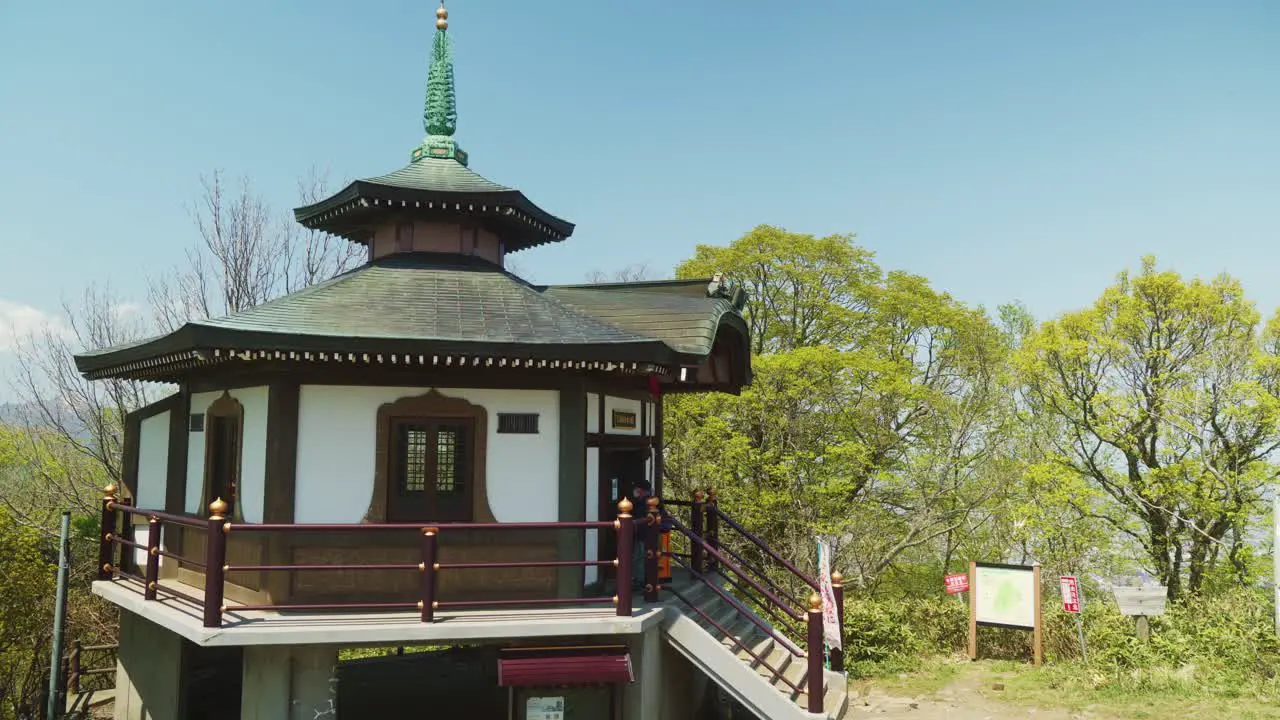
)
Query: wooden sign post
[
  {"x": 1005, "y": 596},
  {"x": 1141, "y": 603}
]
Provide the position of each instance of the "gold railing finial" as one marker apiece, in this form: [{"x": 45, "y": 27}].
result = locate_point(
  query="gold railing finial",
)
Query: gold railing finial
[{"x": 217, "y": 509}]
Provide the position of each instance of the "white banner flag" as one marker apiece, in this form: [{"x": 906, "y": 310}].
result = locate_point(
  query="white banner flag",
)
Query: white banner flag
[{"x": 830, "y": 620}]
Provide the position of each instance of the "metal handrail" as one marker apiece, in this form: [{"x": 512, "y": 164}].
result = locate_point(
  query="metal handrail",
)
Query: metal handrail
[
  {"x": 219, "y": 528},
  {"x": 746, "y": 612},
  {"x": 773, "y": 585},
  {"x": 761, "y": 544},
  {"x": 185, "y": 520},
  {"x": 707, "y": 548},
  {"x": 341, "y": 527}
]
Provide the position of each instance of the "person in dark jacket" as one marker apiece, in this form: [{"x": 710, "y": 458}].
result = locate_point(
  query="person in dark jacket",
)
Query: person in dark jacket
[{"x": 640, "y": 492}]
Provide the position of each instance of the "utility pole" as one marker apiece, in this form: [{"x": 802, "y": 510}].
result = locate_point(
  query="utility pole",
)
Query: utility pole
[{"x": 52, "y": 711}]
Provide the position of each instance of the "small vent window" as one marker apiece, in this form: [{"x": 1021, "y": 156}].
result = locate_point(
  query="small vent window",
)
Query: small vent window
[
  {"x": 196, "y": 423},
  {"x": 518, "y": 423}
]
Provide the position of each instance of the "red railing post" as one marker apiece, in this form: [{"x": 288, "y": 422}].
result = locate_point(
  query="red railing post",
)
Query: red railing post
[
  {"x": 429, "y": 567},
  {"x": 626, "y": 536},
  {"x": 105, "y": 545},
  {"x": 837, "y": 589},
  {"x": 696, "y": 517},
  {"x": 816, "y": 686},
  {"x": 651, "y": 532},
  {"x": 713, "y": 529},
  {"x": 215, "y": 563},
  {"x": 152, "y": 576}
]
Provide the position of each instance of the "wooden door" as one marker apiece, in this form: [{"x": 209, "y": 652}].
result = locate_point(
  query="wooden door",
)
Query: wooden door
[{"x": 620, "y": 469}]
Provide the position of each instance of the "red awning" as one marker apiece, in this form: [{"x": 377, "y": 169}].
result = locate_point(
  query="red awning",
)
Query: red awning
[{"x": 565, "y": 670}]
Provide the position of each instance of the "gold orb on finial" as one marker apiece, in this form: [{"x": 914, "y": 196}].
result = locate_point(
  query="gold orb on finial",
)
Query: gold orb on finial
[
  {"x": 652, "y": 502},
  {"x": 625, "y": 506},
  {"x": 109, "y": 492},
  {"x": 837, "y": 578},
  {"x": 442, "y": 17},
  {"x": 815, "y": 602},
  {"x": 217, "y": 509}
]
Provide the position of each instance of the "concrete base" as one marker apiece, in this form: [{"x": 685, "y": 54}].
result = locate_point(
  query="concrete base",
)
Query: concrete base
[
  {"x": 289, "y": 682},
  {"x": 148, "y": 671},
  {"x": 356, "y": 629}
]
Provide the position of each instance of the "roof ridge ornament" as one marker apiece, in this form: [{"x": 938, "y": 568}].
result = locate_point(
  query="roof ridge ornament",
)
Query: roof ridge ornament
[{"x": 440, "y": 114}]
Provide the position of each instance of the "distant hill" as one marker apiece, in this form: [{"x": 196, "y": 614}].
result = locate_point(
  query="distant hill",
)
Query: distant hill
[{"x": 12, "y": 412}]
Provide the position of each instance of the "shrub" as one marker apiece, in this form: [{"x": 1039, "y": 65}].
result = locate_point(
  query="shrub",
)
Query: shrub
[{"x": 1224, "y": 644}]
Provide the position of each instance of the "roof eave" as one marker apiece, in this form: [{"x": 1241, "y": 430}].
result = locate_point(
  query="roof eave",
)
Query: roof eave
[{"x": 363, "y": 195}]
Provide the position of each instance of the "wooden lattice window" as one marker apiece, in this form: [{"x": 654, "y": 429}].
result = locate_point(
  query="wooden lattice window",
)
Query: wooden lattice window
[{"x": 431, "y": 474}]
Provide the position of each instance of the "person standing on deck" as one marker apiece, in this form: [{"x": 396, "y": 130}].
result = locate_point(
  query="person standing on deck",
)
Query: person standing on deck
[{"x": 640, "y": 492}]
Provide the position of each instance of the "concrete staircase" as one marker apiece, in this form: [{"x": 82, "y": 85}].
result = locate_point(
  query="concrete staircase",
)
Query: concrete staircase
[{"x": 734, "y": 670}]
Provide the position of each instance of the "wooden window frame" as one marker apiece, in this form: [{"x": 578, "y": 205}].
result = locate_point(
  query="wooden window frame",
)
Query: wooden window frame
[
  {"x": 457, "y": 506},
  {"x": 224, "y": 407},
  {"x": 434, "y": 407}
]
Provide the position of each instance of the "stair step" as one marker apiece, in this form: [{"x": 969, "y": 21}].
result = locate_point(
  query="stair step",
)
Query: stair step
[
  {"x": 835, "y": 700},
  {"x": 773, "y": 653}
]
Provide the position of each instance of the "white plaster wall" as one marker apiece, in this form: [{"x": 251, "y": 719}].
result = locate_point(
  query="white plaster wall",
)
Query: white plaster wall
[
  {"x": 337, "y": 435},
  {"x": 593, "y": 413},
  {"x": 253, "y": 452},
  {"x": 593, "y": 512},
  {"x": 614, "y": 403},
  {"x": 153, "y": 461},
  {"x": 651, "y": 424}
]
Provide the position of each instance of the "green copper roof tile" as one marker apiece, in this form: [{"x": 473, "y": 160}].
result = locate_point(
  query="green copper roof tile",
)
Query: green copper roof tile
[
  {"x": 439, "y": 175},
  {"x": 440, "y": 303}
]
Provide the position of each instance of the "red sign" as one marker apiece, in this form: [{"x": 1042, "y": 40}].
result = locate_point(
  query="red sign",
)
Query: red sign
[
  {"x": 956, "y": 583},
  {"x": 1070, "y": 593}
]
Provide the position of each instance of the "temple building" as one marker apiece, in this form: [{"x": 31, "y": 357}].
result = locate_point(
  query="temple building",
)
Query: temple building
[{"x": 426, "y": 450}]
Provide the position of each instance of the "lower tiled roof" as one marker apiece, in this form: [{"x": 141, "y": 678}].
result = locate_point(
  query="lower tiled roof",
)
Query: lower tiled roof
[{"x": 420, "y": 303}]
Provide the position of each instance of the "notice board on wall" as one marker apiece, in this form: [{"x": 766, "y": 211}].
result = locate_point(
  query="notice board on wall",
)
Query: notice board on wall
[{"x": 544, "y": 708}]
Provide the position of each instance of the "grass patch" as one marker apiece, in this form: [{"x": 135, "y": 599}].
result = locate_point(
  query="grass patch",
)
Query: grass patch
[{"x": 1075, "y": 688}]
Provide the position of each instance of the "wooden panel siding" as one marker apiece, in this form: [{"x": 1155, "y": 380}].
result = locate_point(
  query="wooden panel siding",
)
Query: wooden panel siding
[
  {"x": 360, "y": 548},
  {"x": 324, "y": 586}
]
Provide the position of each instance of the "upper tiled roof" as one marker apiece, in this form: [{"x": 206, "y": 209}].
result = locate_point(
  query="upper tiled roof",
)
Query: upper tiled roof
[{"x": 436, "y": 186}]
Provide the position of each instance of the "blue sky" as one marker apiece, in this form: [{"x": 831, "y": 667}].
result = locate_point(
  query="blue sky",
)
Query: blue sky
[{"x": 1004, "y": 149}]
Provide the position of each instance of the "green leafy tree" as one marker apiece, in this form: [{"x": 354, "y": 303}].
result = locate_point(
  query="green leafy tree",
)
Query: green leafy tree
[
  {"x": 26, "y": 607},
  {"x": 1168, "y": 398},
  {"x": 877, "y": 408}
]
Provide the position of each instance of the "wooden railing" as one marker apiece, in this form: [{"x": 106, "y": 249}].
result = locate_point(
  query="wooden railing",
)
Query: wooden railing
[
  {"x": 217, "y": 529},
  {"x": 704, "y": 556},
  {"x": 707, "y": 556},
  {"x": 86, "y": 661}
]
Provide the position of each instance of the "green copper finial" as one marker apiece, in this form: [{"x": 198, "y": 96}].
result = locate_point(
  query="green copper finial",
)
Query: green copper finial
[{"x": 440, "y": 117}]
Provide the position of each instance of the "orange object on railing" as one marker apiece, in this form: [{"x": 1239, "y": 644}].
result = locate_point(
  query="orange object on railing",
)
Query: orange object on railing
[{"x": 664, "y": 560}]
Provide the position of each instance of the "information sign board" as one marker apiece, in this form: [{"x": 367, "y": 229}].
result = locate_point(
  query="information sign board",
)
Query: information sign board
[
  {"x": 1005, "y": 595},
  {"x": 1144, "y": 601}
]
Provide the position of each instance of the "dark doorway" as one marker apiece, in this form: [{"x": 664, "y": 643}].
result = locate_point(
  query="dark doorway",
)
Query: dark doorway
[
  {"x": 620, "y": 469},
  {"x": 212, "y": 680},
  {"x": 453, "y": 683}
]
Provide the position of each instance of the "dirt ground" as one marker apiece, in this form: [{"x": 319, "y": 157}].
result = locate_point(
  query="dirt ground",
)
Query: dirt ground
[
  {"x": 989, "y": 691},
  {"x": 965, "y": 698}
]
